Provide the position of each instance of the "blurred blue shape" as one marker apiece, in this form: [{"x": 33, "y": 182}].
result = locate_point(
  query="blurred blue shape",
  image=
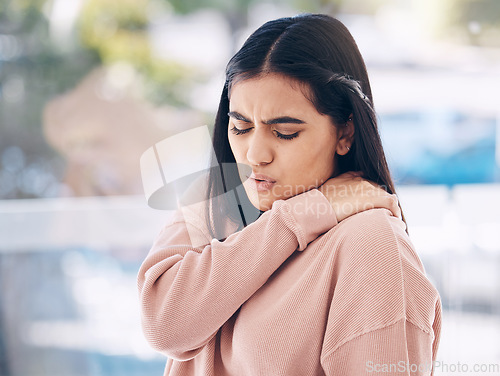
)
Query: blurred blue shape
[{"x": 444, "y": 147}]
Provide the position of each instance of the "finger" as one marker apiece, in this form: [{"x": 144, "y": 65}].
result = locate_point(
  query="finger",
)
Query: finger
[
  {"x": 371, "y": 189},
  {"x": 358, "y": 173},
  {"x": 350, "y": 175},
  {"x": 395, "y": 209}
]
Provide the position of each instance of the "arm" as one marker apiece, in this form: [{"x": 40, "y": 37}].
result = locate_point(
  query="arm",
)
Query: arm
[{"x": 187, "y": 294}]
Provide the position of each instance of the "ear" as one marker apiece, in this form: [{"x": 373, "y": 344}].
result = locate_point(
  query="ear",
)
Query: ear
[{"x": 346, "y": 137}]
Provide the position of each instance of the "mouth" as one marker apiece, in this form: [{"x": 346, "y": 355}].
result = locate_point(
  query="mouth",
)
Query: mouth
[
  {"x": 261, "y": 177},
  {"x": 260, "y": 182}
]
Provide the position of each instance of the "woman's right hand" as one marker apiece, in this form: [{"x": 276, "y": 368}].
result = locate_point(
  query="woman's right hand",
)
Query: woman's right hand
[{"x": 349, "y": 194}]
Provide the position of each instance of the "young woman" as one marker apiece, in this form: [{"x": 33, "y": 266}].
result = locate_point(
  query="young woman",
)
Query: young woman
[{"x": 312, "y": 284}]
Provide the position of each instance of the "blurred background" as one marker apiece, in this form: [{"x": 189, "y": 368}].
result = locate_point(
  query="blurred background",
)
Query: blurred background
[{"x": 86, "y": 86}]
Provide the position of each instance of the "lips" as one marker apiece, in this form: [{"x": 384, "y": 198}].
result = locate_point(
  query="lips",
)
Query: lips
[
  {"x": 261, "y": 177},
  {"x": 260, "y": 182}
]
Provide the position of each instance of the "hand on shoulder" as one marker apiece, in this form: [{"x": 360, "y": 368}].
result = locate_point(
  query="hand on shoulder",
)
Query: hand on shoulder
[{"x": 349, "y": 194}]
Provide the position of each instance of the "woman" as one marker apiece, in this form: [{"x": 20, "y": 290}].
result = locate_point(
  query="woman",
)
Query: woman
[{"x": 313, "y": 284}]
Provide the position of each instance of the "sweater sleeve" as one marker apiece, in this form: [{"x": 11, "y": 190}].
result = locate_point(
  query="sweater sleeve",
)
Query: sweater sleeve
[
  {"x": 188, "y": 293},
  {"x": 385, "y": 315}
]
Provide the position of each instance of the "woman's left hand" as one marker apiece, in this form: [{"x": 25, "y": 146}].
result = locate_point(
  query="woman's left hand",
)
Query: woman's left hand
[{"x": 349, "y": 194}]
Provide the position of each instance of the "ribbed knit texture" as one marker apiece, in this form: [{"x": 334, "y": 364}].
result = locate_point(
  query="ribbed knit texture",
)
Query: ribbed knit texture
[{"x": 294, "y": 293}]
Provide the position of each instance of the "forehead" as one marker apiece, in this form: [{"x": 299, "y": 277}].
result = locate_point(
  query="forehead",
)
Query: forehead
[{"x": 270, "y": 88}]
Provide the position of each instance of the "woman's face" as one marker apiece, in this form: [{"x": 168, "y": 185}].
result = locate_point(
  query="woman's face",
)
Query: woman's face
[{"x": 277, "y": 131}]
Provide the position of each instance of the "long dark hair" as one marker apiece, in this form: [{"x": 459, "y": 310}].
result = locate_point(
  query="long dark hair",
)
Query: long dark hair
[{"x": 319, "y": 51}]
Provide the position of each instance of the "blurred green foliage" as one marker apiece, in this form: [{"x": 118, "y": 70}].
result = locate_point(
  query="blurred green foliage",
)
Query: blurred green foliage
[
  {"x": 224, "y": 6},
  {"x": 33, "y": 69},
  {"x": 16, "y": 15},
  {"x": 477, "y": 20},
  {"x": 117, "y": 30}
]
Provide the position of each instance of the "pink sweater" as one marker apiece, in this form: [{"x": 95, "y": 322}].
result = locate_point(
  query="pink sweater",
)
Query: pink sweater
[{"x": 293, "y": 293}]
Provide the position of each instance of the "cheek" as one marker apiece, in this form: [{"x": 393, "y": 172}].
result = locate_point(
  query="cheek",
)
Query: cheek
[
  {"x": 319, "y": 160},
  {"x": 326, "y": 160}
]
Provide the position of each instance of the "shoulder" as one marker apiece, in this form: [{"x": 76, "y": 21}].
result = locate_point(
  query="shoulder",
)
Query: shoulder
[
  {"x": 372, "y": 239},
  {"x": 376, "y": 265},
  {"x": 371, "y": 224},
  {"x": 374, "y": 246}
]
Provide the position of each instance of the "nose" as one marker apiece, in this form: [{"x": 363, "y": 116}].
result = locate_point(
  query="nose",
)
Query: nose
[{"x": 260, "y": 150}]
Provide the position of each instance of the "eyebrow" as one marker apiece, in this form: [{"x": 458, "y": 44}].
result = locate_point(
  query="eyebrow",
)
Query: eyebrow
[{"x": 278, "y": 120}]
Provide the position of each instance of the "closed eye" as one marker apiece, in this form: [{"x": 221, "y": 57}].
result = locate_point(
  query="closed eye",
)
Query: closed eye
[
  {"x": 238, "y": 131},
  {"x": 238, "y": 118},
  {"x": 287, "y": 136}
]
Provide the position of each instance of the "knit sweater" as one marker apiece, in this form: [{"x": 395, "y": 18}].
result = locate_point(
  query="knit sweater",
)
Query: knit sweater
[{"x": 293, "y": 293}]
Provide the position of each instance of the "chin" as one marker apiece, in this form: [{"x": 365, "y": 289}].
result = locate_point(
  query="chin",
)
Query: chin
[
  {"x": 262, "y": 203},
  {"x": 264, "y": 207}
]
